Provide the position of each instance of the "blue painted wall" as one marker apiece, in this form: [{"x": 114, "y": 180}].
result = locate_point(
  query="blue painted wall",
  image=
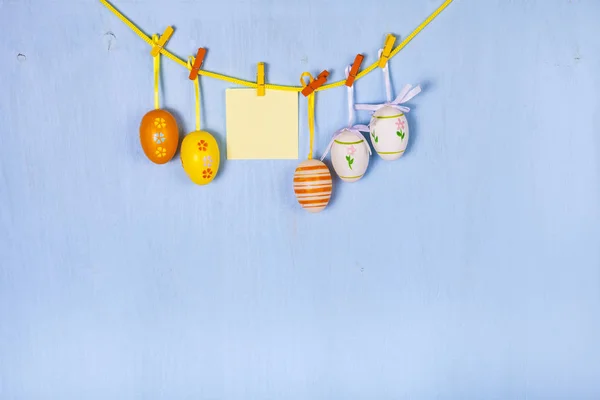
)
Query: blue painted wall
[{"x": 468, "y": 269}]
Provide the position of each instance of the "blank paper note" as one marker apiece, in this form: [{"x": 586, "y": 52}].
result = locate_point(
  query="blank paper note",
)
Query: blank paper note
[{"x": 261, "y": 127}]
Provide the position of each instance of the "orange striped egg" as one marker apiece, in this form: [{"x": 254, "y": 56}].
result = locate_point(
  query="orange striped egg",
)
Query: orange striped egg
[{"x": 312, "y": 185}]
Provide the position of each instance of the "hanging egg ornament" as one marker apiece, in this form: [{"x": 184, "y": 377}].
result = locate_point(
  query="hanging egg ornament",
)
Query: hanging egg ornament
[
  {"x": 200, "y": 157},
  {"x": 159, "y": 136},
  {"x": 312, "y": 185},
  {"x": 389, "y": 132},
  {"x": 349, "y": 155}
]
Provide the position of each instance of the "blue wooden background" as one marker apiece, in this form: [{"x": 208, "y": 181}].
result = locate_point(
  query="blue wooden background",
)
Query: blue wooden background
[{"x": 468, "y": 269}]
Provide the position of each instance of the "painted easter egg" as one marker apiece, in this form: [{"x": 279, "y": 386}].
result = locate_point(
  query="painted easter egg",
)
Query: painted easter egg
[
  {"x": 389, "y": 132},
  {"x": 159, "y": 136},
  {"x": 200, "y": 157},
  {"x": 349, "y": 155},
  {"x": 312, "y": 185}
]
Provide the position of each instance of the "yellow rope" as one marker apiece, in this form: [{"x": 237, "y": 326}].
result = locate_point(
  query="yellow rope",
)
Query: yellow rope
[
  {"x": 311, "y": 113},
  {"x": 197, "y": 90},
  {"x": 156, "y": 74},
  {"x": 311, "y": 123},
  {"x": 190, "y": 62},
  {"x": 243, "y": 82}
]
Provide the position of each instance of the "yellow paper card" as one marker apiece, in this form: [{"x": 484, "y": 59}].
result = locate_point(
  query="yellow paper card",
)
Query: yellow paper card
[{"x": 261, "y": 127}]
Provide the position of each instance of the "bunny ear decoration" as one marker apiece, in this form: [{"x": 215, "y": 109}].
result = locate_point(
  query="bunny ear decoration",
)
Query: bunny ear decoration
[{"x": 349, "y": 149}]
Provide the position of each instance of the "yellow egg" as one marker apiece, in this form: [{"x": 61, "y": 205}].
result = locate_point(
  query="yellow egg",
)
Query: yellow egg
[{"x": 200, "y": 157}]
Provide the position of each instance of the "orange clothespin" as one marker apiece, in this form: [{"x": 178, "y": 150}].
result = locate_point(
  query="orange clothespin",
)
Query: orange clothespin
[
  {"x": 260, "y": 79},
  {"x": 354, "y": 70},
  {"x": 387, "y": 49},
  {"x": 197, "y": 63},
  {"x": 315, "y": 84},
  {"x": 162, "y": 41}
]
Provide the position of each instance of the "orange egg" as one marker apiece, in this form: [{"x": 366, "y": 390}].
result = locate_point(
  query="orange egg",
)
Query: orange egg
[
  {"x": 312, "y": 185},
  {"x": 159, "y": 136}
]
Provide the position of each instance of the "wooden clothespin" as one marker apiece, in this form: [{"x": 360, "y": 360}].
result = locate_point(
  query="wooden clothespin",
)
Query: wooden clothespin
[
  {"x": 260, "y": 79},
  {"x": 162, "y": 41},
  {"x": 315, "y": 84},
  {"x": 387, "y": 49},
  {"x": 197, "y": 63},
  {"x": 354, "y": 70}
]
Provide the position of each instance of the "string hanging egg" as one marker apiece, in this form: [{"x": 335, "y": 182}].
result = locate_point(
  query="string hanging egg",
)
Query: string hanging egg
[
  {"x": 388, "y": 126},
  {"x": 159, "y": 134},
  {"x": 312, "y": 179},
  {"x": 350, "y": 151},
  {"x": 200, "y": 155}
]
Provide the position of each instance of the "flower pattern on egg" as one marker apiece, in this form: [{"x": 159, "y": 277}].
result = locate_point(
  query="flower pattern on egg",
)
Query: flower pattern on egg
[
  {"x": 160, "y": 122},
  {"x": 400, "y": 128},
  {"x": 207, "y": 173},
  {"x": 350, "y": 150},
  {"x": 202, "y": 145},
  {"x": 159, "y": 137},
  {"x": 375, "y": 137},
  {"x": 160, "y": 152},
  {"x": 207, "y": 161}
]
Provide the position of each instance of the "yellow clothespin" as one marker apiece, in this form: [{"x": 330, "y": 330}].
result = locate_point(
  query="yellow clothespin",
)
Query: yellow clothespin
[
  {"x": 260, "y": 79},
  {"x": 162, "y": 41},
  {"x": 387, "y": 49}
]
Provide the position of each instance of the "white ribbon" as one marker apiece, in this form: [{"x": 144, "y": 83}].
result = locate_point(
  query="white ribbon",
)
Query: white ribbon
[
  {"x": 350, "y": 99},
  {"x": 407, "y": 93},
  {"x": 356, "y": 129},
  {"x": 386, "y": 77}
]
